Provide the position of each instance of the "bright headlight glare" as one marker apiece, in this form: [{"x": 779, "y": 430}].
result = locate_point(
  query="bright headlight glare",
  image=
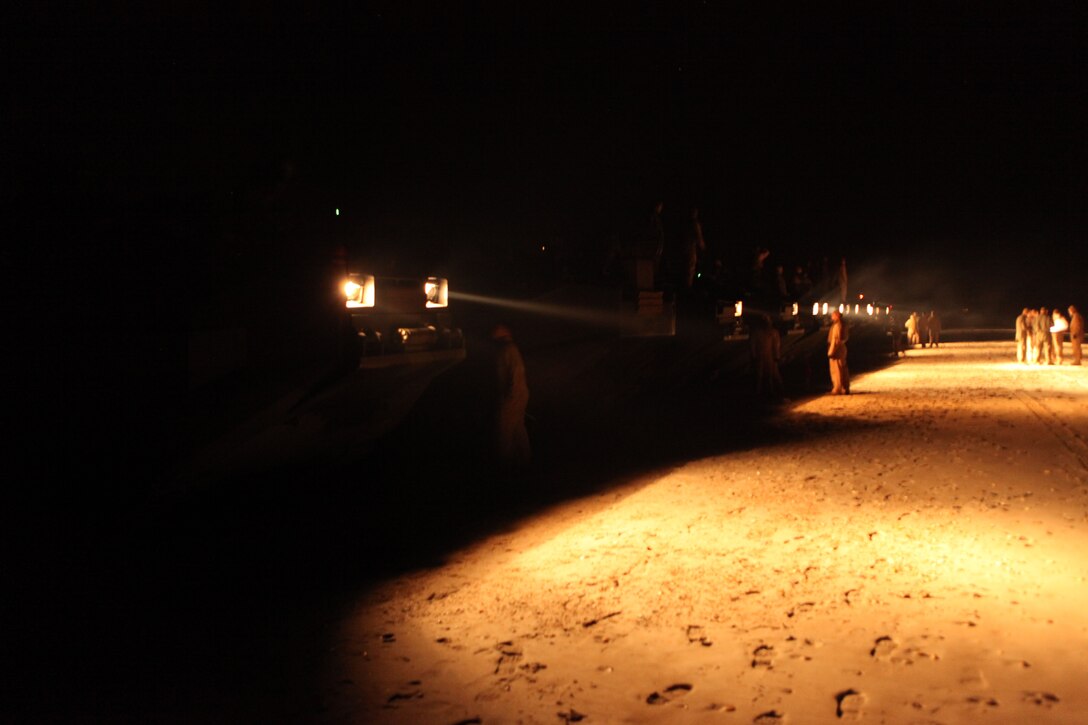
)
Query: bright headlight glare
[
  {"x": 359, "y": 291},
  {"x": 437, "y": 290}
]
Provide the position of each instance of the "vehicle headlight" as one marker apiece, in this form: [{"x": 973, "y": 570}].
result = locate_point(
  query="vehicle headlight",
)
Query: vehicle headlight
[
  {"x": 359, "y": 291},
  {"x": 437, "y": 290}
]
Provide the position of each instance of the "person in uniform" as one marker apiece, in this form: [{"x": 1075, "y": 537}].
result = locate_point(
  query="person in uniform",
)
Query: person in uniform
[
  {"x": 836, "y": 355},
  {"x": 1076, "y": 333},
  {"x": 923, "y": 329},
  {"x": 1057, "y": 335},
  {"x": 933, "y": 324},
  {"x": 1023, "y": 336},
  {"x": 766, "y": 351},
  {"x": 912, "y": 329},
  {"x": 896, "y": 335},
  {"x": 511, "y": 436},
  {"x": 1041, "y": 337},
  {"x": 1032, "y": 347}
]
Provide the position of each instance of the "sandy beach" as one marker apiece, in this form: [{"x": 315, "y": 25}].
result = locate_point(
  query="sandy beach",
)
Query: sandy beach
[{"x": 916, "y": 552}]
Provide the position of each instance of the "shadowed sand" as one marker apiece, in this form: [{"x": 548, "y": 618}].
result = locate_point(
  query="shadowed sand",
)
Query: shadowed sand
[{"x": 911, "y": 553}]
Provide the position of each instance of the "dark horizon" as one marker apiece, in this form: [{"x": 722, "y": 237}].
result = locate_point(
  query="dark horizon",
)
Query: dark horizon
[{"x": 941, "y": 147}]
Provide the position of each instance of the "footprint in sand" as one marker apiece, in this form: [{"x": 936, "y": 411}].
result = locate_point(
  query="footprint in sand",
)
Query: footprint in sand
[
  {"x": 882, "y": 648},
  {"x": 672, "y": 692},
  {"x": 696, "y": 633},
  {"x": 1042, "y": 699},
  {"x": 848, "y": 704},
  {"x": 571, "y": 716},
  {"x": 761, "y": 656},
  {"x": 509, "y": 656}
]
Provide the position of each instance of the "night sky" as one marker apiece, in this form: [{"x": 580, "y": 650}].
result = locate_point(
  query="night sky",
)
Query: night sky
[{"x": 940, "y": 148}]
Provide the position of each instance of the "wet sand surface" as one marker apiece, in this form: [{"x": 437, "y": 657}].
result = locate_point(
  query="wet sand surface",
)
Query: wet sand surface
[{"x": 916, "y": 552}]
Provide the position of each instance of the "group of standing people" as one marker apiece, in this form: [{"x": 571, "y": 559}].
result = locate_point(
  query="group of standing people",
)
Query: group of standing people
[
  {"x": 1040, "y": 336},
  {"x": 923, "y": 329}
]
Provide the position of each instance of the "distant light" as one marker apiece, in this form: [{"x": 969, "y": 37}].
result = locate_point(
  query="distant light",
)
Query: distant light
[
  {"x": 337, "y": 212},
  {"x": 815, "y": 309},
  {"x": 543, "y": 247},
  {"x": 738, "y": 308},
  {"x": 869, "y": 309},
  {"x": 698, "y": 275},
  {"x": 795, "y": 309},
  {"x": 861, "y": 297}
]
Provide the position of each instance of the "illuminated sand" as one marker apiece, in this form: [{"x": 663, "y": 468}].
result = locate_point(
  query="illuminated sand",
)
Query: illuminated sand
[{"x": 918, "y": 553}]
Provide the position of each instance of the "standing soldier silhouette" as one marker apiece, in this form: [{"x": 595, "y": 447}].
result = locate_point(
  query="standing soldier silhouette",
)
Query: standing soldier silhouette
[
  {"x": 1076, "y": 333},
  {"x": 1023, "y": 336},
  {"x": 934, "y": 327},
  {"x": 694, "y": 245},
  {"x": 511, "y": 437},
  {"x": 836, "y": 355}
]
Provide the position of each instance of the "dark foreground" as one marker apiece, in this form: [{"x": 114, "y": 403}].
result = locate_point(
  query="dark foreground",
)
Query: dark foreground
[{"x": 215, "y": 605}]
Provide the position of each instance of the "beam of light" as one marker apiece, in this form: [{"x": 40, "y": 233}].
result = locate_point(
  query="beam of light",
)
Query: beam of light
[{"x": 565, "y": 312}]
